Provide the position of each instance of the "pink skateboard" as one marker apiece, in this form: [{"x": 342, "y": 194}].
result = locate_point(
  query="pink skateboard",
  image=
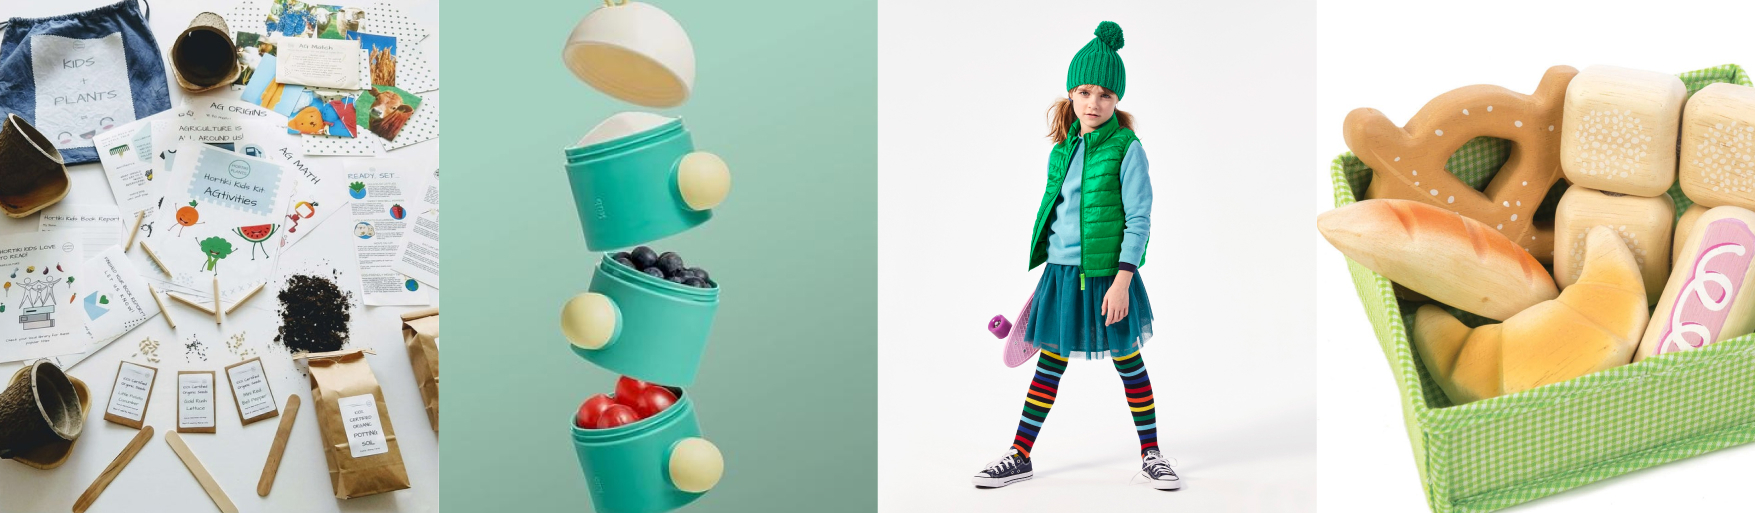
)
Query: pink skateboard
[{"x": 1017, "y": 351}]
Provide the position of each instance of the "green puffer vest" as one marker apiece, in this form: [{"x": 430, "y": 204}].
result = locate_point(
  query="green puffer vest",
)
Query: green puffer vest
[{"x": 1101, "y": 219}]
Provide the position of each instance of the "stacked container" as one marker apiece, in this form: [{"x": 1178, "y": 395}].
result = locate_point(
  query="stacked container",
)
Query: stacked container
[{"x": 637, "y": 178}]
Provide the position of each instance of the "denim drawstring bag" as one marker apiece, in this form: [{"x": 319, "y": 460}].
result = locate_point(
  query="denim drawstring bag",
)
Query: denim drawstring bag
[{"x": 76, "y": 75}]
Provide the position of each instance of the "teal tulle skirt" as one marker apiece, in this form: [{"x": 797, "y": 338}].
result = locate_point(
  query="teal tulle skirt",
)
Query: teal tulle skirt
[{"x": 1066, "y": 317}]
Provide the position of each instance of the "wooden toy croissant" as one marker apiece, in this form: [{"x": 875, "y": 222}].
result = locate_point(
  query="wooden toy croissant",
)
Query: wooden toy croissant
[{"x": 1593, "y": 325}]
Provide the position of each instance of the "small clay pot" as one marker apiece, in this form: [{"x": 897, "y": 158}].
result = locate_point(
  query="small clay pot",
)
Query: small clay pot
[
  {"x": 39, "y": 410},
  {"x": 204, "y": 57},
  {"x": 32, "y": 173}
]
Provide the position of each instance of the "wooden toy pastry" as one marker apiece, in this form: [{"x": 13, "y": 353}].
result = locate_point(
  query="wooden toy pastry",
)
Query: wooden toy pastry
[
  {"x": 1645, "y": 224},
  {"x": 1408, "y": 162},
  {"x": 1707, "y": 298},
  {"x": 1620, "y": 130},
  {"x": 1682, "y": 227},
  {"x": 1447, "y": 257},
  {"x": 1593, "y": 325},
  {"x": 1717, "y": 163}
]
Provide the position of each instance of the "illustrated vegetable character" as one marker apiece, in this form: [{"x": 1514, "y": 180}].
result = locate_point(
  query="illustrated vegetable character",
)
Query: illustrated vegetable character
[
  {"x": 216, "y": 248},
  {"x": 187, "y": 216},
  {"x": 357, "y": 190},
  {"x": 257, "y": 234},
  {"x": 301, "y": 210}
]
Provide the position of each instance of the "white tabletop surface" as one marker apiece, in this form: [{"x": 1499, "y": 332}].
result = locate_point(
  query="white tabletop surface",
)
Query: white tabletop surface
[{"x": 156, "y": 480}]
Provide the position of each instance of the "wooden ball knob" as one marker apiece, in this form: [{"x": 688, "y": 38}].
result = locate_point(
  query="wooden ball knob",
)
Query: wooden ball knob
[
  {"x": 703, "y": 179},
  {"x": 696, "y": 465},
  {"x": 589, "y": 320}
]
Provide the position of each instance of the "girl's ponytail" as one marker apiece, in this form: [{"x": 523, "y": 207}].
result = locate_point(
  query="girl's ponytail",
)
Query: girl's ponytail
[{"x": 1061, "y": 119}]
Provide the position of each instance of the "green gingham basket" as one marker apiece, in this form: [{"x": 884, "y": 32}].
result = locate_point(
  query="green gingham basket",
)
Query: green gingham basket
[{"x": 1499, "y": 452}]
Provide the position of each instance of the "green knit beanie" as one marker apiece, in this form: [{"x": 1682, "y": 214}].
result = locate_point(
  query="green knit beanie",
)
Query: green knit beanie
[{"x": 1097, "y": 63}]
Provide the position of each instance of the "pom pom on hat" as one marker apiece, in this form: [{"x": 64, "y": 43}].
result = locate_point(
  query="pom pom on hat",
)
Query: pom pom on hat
[{"x": 1110, "y": 34}]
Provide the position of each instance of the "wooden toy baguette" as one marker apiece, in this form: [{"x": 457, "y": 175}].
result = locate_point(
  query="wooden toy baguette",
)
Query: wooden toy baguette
[
  {"x": 1593, "y": 325},
  {"x": 1407, "y": 162},
  {"x": 1447, "y": 257},
  {"x": 1707, "y": 299}
]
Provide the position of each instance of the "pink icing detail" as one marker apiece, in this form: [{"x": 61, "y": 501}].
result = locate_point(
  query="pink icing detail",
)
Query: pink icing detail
[{"x": 1697, "y": 314}]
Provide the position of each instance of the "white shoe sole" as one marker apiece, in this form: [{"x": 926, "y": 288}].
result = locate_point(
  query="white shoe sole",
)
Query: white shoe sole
[
  {"x": 1163, "y": 485},
  {"x": 996, "y": 482}
]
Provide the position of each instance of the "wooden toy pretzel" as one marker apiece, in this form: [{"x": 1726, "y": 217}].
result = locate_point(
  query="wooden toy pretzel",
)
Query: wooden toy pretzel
[{"x": 1408, "y": 162}]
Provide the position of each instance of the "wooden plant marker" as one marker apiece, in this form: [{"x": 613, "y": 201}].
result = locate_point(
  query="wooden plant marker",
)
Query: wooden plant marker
[
  {"x": 200, "y": 472},
  {"x": 103, "y": 480},
  {"x": 272, "y": 467}
]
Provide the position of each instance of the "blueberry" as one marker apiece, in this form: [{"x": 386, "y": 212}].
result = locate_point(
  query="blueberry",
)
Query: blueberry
[
  {"x": 695, "y": 282},
  {"x": 623, "y": 255},
  {"x": 675, "y": 279},
  {"x": 624, "y": 260},
  {"x": 644, "y": 257},
  {"x": 670, "y": 263},
  {"x": 699, "y": 273},
  {"x": 654, "y": 272}
]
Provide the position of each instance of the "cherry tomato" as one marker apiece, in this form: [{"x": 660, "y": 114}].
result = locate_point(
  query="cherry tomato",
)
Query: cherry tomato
[
  {"x": 653, "y": 400},
  {"x": 616, "y": 415},
  {"x": 591, "y": 410},
  {"x": 627, "y": 390}
]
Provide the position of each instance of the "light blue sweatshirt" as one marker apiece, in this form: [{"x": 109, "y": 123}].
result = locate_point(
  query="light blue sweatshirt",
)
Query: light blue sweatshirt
[{"x": 1136, "y": 205}]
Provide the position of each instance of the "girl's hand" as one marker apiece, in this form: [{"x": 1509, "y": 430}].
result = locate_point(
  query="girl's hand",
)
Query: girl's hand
[{"x": 1115, "y": 301}]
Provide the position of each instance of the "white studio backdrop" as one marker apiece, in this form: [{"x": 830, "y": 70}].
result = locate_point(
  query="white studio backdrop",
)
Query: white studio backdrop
[
  {"x": 156, "y": 480},
  {"x": 1395, "y": 56},
  {"x": 1222, "y": 94}
]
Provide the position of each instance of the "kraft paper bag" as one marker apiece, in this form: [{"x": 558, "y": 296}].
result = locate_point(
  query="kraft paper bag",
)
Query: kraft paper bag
[
  {"x": 420, "y": 332},
  {"x": 358, "y": 442}
]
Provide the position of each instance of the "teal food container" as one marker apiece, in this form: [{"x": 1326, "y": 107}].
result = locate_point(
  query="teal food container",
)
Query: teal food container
[
  {"x": 652, "y": 465},
  {"x": 641, "y": 326},
  {"x": 637, "y": 178}
]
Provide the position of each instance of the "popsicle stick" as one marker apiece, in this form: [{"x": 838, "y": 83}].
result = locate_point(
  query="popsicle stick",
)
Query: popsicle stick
[
  {"x": 162, "y": 311},
  {"x": 154, "y": 256},
  {"x": 272, "y": 467},
  {"x": 138, "y": 218},
  {"x": 216, "y": 307},
  {"x": 247, "y": 296},
  {"x": 103, "y": 480},
  {"x": 200, "y": 472},
  {"x": 192, "y": 303}
]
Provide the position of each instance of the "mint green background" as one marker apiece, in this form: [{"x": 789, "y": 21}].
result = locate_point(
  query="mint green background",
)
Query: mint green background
[{"x": 786, "y": 93}]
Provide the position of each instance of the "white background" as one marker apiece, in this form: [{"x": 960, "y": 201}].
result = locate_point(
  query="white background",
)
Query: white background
[
  {"x": 1222, "y": 91},
  {"x": 156, "y": 480},
  {"x": 1395, "y": 56}
]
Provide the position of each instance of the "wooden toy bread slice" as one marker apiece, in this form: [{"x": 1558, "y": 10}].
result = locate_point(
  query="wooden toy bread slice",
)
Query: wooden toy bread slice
[
  {"x": 1593, "y": 325},
  {"x": 1447, "y": 257}
]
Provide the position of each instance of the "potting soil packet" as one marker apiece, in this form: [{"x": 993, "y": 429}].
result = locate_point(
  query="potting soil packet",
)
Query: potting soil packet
[
  {"x": 76, "y": 75},
  {"x": 359, "y": 443},
  {"x": 420, "y": 332}
]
